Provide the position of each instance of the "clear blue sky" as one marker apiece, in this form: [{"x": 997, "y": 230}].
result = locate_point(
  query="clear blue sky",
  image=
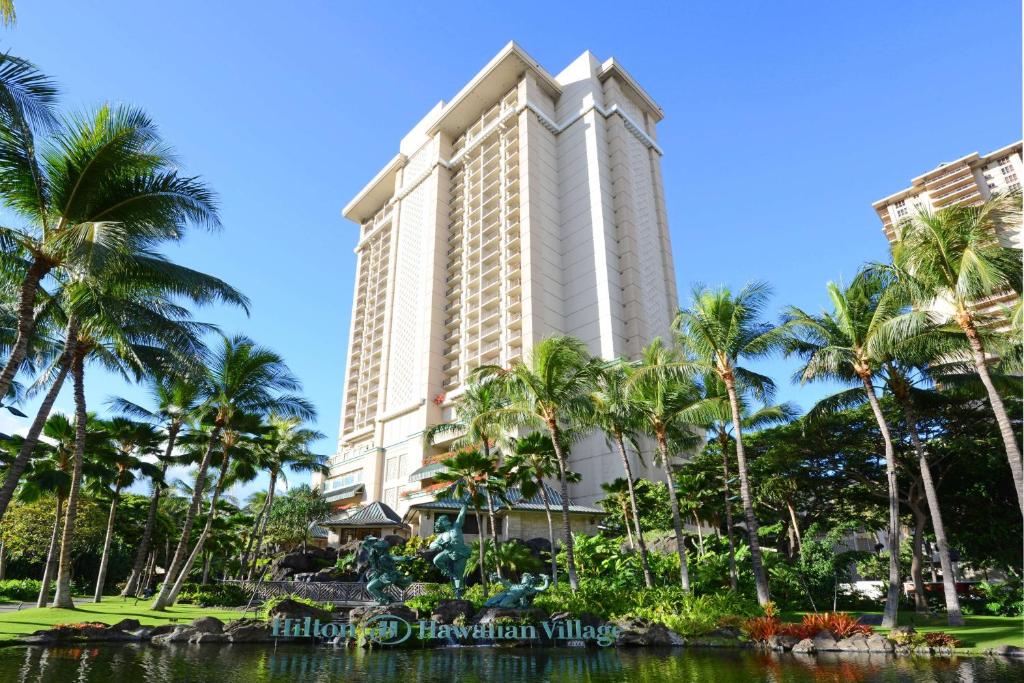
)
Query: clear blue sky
[{"x": 783, "y": 122}]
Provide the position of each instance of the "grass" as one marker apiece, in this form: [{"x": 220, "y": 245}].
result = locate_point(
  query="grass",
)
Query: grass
[
  {"x": 110, "y": 611},
  {"x": 979, "y": 634}
]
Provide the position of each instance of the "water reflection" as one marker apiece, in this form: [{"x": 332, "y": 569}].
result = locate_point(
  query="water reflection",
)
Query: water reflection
[{"x": 259, "y": 664}]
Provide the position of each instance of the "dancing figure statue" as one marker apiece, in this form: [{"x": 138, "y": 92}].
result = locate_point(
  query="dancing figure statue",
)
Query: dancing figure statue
[
  {"x": 518, "y": 595},
  {"x": 383, "y": 571},
  {"x": 451, "y": 561}
]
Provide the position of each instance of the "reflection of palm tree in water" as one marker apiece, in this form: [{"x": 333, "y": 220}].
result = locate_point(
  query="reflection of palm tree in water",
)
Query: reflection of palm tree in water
[{"x": 451, "y": 561}]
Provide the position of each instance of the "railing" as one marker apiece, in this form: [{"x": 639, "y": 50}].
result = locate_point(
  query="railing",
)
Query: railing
[{"x": 334, "y": 592}]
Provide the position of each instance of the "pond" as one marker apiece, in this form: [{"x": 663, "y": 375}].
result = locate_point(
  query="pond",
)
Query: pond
[{"x": 256, "y": 664}]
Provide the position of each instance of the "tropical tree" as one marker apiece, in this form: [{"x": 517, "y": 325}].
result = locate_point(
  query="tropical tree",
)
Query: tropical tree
[
  {"x": 467, "y": 471},
  {"x": 720, "y": 330},
  {"x": 550, "y": 391},
  {"x": 841, "y": 346},
  {"x": 299, "y": 510},
  {"x": 950, "y": 260},
  {"x": 616, "y": 415},
  {"x": 244, "y": 377}
]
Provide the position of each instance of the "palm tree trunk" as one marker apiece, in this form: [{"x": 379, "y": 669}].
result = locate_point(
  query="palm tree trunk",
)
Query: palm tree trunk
[
  {"x": 201, "y": 541},
  {"x": 154, "y": 505},
  {"x": 17, "y": 467},
  {"x": 26, "y": 321},
  {"x": 480, "y": 541},
  {"x": 916, "y": 561},
  {"x": 723, "y": 439},
  {"x": 206, "y": 569},
  {"x": 161, "y": 600},
  {"x": 551, "y": 530},
  {"x": 266, "y": 521},
  {"x": 62, "y": 598},
  {"x": 1002, "y": 417},
  {"x": 51, "y": 557},
  {"x": 760, "y": 576},
  {"x": 101, "y": 576},
  {"x": 953, "y": 613},
  {"x": 625, "y": 523},
  {"x": 570, "y": 555},
  {"x": 700, "y": 534},
  {"x": 677, "y": 521},
  {"x": 796, "y": 528},
  {"x": 243, "y": 561},
  {"x": 641, "y": 544},
  {"x": 493, "y": 532},
  {"x": 893, "y": 532}
]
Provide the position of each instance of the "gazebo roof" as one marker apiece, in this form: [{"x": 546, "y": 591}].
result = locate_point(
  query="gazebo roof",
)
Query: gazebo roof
[
  {"x": 516, "y": 501},
  {"x": 371, "y": 515}
]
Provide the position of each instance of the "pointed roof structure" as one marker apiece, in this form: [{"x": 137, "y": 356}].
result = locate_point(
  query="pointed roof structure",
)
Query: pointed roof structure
[{"x": 375, "y": 514}]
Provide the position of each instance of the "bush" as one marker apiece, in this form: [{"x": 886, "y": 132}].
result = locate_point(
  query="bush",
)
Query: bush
[
  {"x": 214, "y": 595},
  {"x": 427, "y": 603},
  {"x": 839, "y": 624},
  {"x": 940, "y": 639},
  {"x": 20, "y": 590},
  {"x": 1004, "y": 599}
]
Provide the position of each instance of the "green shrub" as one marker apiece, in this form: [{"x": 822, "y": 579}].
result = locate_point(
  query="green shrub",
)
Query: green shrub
[
  {"x": 20, "y": 590},
  {"x": 425, "y": 604},
  {"x": 1004, "y": 599},
  {"x": 214, "y": 595}
]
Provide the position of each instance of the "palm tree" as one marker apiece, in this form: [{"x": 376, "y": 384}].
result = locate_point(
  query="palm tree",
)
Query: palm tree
[
  {"x": 240, "y": 377},
  {"x": 285, "y": 446},
  {"x": 549, "y": 391},
  {"x": 841, "y": 346},
  {"x": 175, "y": 401},
  {"x": 132, "y": 441},
  {"x": 720, "y": 330},
  {"x": 952, "y": 256},
  {"x": 533, "y": 460},
  {"x": 665, "y": 399},
  {"x": 104, "y": 186},
  {"x": 617, "y": 492},
  {"x": 617, "y": 416},
  {"x": 467, "y": 472}
]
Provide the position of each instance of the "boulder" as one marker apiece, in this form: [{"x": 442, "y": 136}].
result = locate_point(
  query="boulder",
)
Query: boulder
[
  {"x": 180, "y": 634},
  {"x": 201, "y": 638},
  {"x": 782, "y": 643},
  {"x": 248, "y": 631},
  {"x": 162, "y": 629},
  {"x": 291, "y": 609},
  {"x": 879, "y": 643},
  {"x": 804, "y": 647},
  {"x": 208, "y": 625},
  {"x": 452, "y": 611},
  {"x": 361, "y": 614},
  {"x": 641, "y": 632},
  {"x": 1007, "y": 651},
  {"x": 490, "y": 615},
  {"x": 824, "y": 641},
  {"x": 870, "y": 619},
  {"x": 127, "y": 625},
  {"x": 63, "y": 633},
  {"x": 858, "y": 642}
]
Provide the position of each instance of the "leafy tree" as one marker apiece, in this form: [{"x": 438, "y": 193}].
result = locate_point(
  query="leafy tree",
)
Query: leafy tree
[{"x": 295, "y": 512}]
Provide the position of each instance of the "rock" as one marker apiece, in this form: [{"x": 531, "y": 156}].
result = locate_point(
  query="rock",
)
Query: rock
[
  {"x": 180, "y": 634},
  {"x": 804, "y": 647},
  {"x": 208, "y": 625},
  {"x": 824, "y": 641},
  {"x": 858, "y": 642},
  {"x": 585, "y": 618},
  {"x": 640, "y": 632},
  {"x": 201, "y": 638},
  {"x": 451, "y": 611},
  {"x": 127, "y": 625},
  {"x": 728, "y": 632},
  {"x": 1008, "y": 651},
  {"x": 902, "y": 631},
  {"x": 248, "y": 631},
  {"x": 291, "y": 609},
  {"x": 879, "y": 643},
  {"x": 490, "y": 615},
  {"x": 85, "y": 633},
  {"x": 361, "y": 614},
  {"x": 782, "y": 643},
  {"x": 162, "y": 629}
]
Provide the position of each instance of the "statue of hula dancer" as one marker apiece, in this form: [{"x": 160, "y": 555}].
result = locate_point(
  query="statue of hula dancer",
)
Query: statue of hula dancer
[
  {"x": 451, "y": 561},
  {"x": 518, "y": 595},
  {"x": 383, "y": 570}
]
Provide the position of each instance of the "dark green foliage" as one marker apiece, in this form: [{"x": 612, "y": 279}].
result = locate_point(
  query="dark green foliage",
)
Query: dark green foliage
[{"x": 214, "y": 595}]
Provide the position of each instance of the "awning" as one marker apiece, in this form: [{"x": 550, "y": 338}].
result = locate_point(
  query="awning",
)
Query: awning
[
  {"x": 427, "y": 471},
  {"x": 343, "y": 492}
]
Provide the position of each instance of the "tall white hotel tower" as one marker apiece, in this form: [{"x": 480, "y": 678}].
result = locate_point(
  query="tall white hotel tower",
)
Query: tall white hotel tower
[{"x": 527, "y": 206}]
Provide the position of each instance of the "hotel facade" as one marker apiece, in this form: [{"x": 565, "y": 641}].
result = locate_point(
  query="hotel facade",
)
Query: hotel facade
[{"x": 527, "y": 206}]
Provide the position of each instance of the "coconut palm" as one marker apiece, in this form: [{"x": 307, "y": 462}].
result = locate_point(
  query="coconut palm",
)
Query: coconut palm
[
  {"x": 467, "y": 471},
  {"x": 616, "y": 492},
  {"x": 949, "y": 260},
  {"x": 665, "y": 398},
  {"x": 532, "y": 462},
  {"x": 103, "y": 186},
  {"x": 175, "y": 400},
  {"x": 131, "y": 442},
  {"x": 241, "y": 377},
  {"x": 841, "y": 345},
  {"x": 720, "y": 330},
  {"x": 550, "y": 391}
]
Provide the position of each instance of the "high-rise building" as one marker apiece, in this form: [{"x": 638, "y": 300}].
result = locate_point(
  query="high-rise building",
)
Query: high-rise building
[
  {"x": 529, "y": 205},
  {"x": 970, "y": 179}
]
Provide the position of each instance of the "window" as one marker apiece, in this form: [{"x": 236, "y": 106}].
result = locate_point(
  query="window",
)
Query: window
[
  {"x": 1011, "y": 178},
  {"x": 347, "y": 479},
  {"x": 1005, "y": 161},
  {"x": 391, "y": 469},
  {"x": 1007, "y": 170},
  {"x": 391, "y": 497},
  {"x": 901, "y": 212},
  {"x": 1013, "y": 187}
]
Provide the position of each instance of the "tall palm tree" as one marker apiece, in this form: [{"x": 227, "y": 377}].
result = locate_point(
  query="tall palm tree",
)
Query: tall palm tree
[
  {"x": 549, "y": 391},
  {"x": 665, "y": 397},
  {"x": 721, "y": 330},
  {"x": 952, "y": 257},
  {"x": 175, "y": 400},
  {"x": 841, "y": 346},
  {"x": 285, "y": 446},
  {"x": 131, "y": 442},
  {"x": 532, "y": 462},
  {"x": 616, "y": 492},
  {"x": 467, "y": 472},
  {"x": 617, "y": 416},
  {"x": 240, "y": 377},
  {"x": 103, "y": 186}
]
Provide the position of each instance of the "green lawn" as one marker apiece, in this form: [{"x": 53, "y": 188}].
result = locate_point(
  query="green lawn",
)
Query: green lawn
[{"x": 110, "y": 611}]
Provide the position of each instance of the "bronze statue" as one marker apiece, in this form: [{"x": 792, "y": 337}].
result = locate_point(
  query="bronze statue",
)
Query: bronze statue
[
  {"x": 383, "y": 570},
  {"x": 451, "y": 561},
  {"x": 518, "y": 595}
]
